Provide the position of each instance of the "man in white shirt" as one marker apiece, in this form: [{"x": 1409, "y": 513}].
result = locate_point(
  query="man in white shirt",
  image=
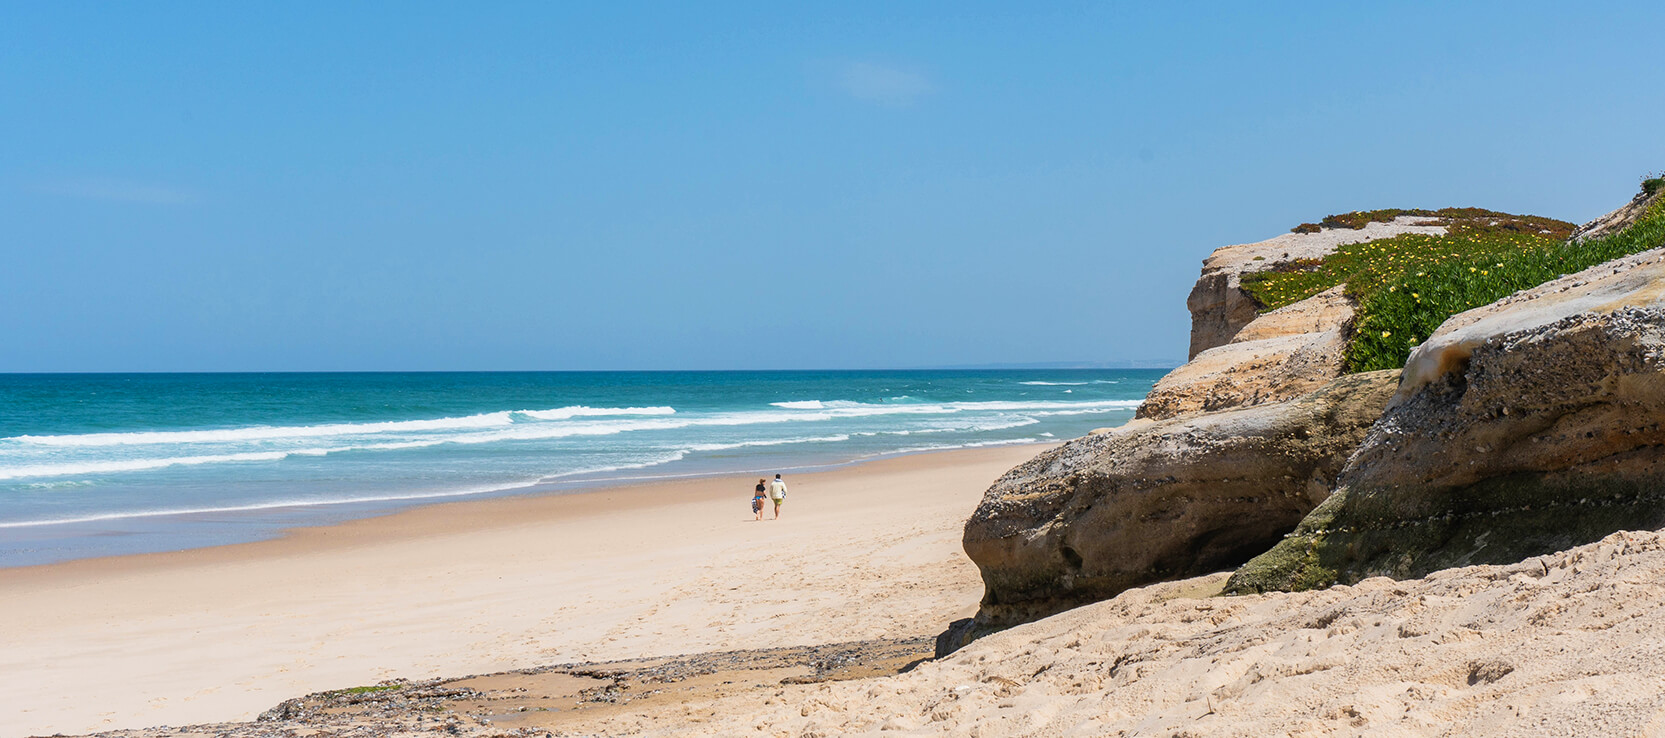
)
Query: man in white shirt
[{"x": 777, "y": 492}]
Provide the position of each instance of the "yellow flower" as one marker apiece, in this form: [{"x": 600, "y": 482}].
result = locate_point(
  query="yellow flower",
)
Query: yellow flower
[
  {"x": 1385, "y": 334},
  {"x": 1415, "y": 295}
]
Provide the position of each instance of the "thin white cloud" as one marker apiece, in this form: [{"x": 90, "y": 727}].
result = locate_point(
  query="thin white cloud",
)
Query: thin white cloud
[
  {"x": 882, "y": 84},
  {"x": 116, "y": 190}
]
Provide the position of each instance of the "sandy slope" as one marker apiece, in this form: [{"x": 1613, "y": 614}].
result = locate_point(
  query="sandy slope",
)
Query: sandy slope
[
  {"x": 1570, "y": 644},
  {"x": 221, "y": 634}
]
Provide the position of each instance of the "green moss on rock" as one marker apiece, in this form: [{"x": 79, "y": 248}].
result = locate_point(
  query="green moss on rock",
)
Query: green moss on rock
[{"x": 1497, "y": 521}]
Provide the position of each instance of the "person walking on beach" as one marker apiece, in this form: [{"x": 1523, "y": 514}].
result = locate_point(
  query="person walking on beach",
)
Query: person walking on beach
[
  {"x": 777, "y": 492},
  {"x": 757, "y": 498}
]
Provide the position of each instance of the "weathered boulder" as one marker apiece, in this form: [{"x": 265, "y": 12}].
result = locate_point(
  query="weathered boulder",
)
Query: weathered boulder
[
  {"x": 1219, "y": 306},
  {"x": 1527, "y": 426},
  {"x": 1278, "y": 356},
  {"x": 1158, "y": 500}
]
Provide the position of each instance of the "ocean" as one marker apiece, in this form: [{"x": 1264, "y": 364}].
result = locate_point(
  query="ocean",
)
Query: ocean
[{"x": 105, "y": 464}]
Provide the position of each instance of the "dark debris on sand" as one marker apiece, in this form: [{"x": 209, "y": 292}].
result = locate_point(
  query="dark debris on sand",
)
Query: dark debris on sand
[{"x": 560, "y": 700}]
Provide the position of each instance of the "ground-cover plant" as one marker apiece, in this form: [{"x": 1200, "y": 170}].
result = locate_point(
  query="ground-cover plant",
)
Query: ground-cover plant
[
  {"x": 1405, "y": 309},
  {"x": 1366, "y": 267},
  {"x": 1358, "y": 219},
  {"x": 1407, "y": 285}
]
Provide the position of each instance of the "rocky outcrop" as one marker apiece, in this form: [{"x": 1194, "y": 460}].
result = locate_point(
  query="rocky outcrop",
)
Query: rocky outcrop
[
  {"x": 1620, "y": 219},
  {"x": 1219, "y": 306},
  {"x": 1160, "y": 500},
  {"x": 1241, "y": 357},
  {"x": 1281, "y": 355},
  {"x": 1527, "y": 426}
]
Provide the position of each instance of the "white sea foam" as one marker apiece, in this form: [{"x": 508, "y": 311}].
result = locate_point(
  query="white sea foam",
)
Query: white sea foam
[
  {"x": 843, "y": 409},
  {"x": 272, "y": 505},
  {"x": 1053, "y": 384},
  {"x": 956, "y": 446},
  {"x": 800, "y": 405},
  {"x": 816, "y": 404},
  {"x": 283, "y": 433},
  {"x": 657, "y": 460},
  {"x": 267, "y": 433},
  {"x": 773, "y": 442},
  {"x": 59, "y": 484},
  {"x": 581, "y": 411},
  {"x": 267, "y": 444},
  {"x": 677, "y": 455},
  {"x": 1047, "y": 405},
  {"x": 82, "y": 468},
  {"x": 126, "y": 465},
  {"x": 566, "y": 422}
]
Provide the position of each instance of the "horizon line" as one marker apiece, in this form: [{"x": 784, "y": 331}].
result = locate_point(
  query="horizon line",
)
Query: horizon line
[{"x": 1013, "y": 366}]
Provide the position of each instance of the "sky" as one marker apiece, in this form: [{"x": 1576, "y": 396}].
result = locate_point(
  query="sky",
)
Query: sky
[{"x": 335, "y": 186}]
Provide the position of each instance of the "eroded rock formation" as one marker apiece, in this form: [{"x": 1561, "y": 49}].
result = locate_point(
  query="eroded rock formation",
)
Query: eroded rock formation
[
  {"x": 1527, "y": 426},
  {"x": 1281, "y": 355},
  {"x": 1219, "y": 306},
  {"x": 1241, "y": 357},
  {"x": 1160, "y": 500}
]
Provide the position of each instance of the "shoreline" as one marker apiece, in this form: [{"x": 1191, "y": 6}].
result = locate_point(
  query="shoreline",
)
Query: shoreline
[
  {"x": 401, "y": 506},
  {"x": 473, "y": 586},
  {"x": 284, "y": 518}
]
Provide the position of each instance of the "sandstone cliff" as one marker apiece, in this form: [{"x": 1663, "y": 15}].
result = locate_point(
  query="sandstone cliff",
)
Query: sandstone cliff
[
  {"x": 1282, "y": 354},
  {"x": 1219, "y": 306},
  {"x": 1242, "y": 357}
]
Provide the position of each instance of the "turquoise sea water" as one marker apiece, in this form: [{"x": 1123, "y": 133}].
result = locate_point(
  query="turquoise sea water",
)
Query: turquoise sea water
[{"x": 95, "y": 465}]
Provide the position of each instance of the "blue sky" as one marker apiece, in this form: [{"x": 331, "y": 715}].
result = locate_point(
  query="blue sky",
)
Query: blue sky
[{"x": 363, "y": 186}]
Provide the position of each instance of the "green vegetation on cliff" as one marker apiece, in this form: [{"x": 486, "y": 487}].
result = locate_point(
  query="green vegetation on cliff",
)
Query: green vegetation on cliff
[
  {"x": 1407, "y": 285},
  {"x": 1651, "y": 185},
  {"x": 1391, "y": 321},
  {"x": 1372, "y": 265}
]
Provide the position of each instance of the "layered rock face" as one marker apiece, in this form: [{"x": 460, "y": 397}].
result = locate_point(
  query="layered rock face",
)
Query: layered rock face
[
  {"x": 1283, "y": 354},
  {"x": 1160, "y": 500},
  {"x": 1240, "y": 357},
  {"x": 1527, "y": 426},
  {"x": 1219, "y": 306}
]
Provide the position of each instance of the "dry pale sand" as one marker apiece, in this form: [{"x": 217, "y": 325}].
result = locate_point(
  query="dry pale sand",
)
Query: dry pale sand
[
  {"x": 1569, "y": 644},
  {"x": 218, "y": 634}
]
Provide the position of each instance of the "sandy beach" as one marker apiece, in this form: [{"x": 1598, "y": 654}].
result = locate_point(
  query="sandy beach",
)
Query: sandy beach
[{"x": 862, "y": 552}]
